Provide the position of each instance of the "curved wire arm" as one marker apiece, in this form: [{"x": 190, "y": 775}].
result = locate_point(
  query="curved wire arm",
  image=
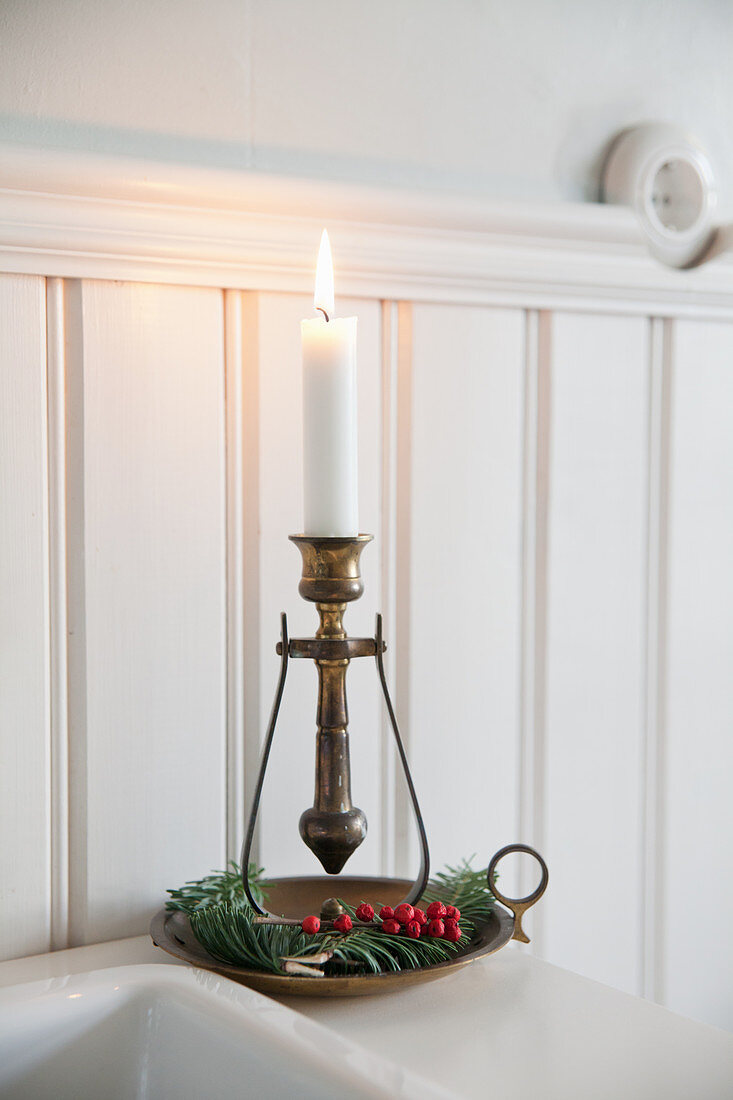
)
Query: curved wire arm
[
  {"x": 418, "y": 887},
  {"x": 249, "y": 836}
]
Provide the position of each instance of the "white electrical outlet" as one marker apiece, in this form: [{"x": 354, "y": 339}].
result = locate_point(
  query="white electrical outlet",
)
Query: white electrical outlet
[{"x": 667, "y": 179}]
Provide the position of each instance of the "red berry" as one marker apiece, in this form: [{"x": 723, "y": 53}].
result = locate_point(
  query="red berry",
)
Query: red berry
[
  {"x": 420, "y": 917},
  {"x": 391, "y": 927},
  {"x": 436, "y": 910},
  {"x": 413, "y": 929},
  {"x": 436, "y": 928},
  {"x": 452, "y": 912},
  {"x": 452, "y": 934},
  {"x": 311, "y": 925},
  {"x": 449, "y": 923},
  {"x": 386, "y": 912},
  {"x": 343, "y": 923},
  {"x": 404, "y": 913},
  {"x": 365, "y": 912}
]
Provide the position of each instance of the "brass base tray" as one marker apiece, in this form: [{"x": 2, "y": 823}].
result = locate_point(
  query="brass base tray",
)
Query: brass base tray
[{"x": 294, "y": 897}]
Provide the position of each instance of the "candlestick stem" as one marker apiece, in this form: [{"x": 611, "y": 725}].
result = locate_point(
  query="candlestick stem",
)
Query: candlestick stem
[{"x": 333, "y": 828}]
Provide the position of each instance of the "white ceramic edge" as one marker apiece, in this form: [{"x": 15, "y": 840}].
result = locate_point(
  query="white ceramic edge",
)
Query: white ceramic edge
[
  {"x": 84, "y": 215},
  {"x": 311, "y": 1041}
]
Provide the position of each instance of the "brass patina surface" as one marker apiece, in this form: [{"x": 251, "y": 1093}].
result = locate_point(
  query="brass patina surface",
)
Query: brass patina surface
[{"x": 331, "y": 567}]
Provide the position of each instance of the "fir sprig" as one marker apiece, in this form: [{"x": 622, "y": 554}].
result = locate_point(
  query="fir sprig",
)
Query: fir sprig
[
  {"x": 228, "y": 933},
  {"x": 222, "y": 921},
  {"x": 218, "y": 887}
]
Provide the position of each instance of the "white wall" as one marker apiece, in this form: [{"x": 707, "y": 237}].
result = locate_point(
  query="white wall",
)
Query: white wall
[
  {"x": 545, "y": 461},
  {"x": 511, "y": 99}
]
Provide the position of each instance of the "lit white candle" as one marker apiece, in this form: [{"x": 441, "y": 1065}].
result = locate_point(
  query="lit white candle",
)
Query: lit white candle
[{"x": 330, "y": 492}]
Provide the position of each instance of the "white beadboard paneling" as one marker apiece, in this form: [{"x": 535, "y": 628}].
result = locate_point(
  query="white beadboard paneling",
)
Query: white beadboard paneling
[
  {"x": 290, "y": 778},
  {"x": 596, "y": 645},
  {"x": 540, "y": 604},
  {"x": 147, "y": 676},
  {"x": 24, "y": 663},
  {"x": 465, "y": 588},
  {"x": 698, "y": 846}
]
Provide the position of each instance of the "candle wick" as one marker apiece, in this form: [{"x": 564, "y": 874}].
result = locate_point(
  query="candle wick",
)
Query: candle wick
[{"x": 322, "y": 311}]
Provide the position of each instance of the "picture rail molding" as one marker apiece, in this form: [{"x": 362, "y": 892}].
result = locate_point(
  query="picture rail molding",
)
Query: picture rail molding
[{"x": 86, "y": 215}]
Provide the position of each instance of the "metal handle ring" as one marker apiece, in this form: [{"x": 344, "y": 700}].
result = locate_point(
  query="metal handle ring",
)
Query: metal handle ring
[{"x": 518, "y": 906}]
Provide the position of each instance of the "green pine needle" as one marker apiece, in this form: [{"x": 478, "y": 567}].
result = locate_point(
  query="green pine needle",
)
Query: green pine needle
[
  {"x": 221, "y": 920},
  {"x": 227, "y": 932},
  {"x": 218, "y": 887}
]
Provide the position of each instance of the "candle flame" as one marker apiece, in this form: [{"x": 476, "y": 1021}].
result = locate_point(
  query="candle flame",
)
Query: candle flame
[{"x": 323, "y": 297}]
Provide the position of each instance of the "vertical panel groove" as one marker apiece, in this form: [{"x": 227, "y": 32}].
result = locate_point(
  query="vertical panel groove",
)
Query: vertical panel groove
[
  {"x": 59, "y": 793},
  {"x": 75, "y": 610},
  {"x": 536, "y": 489},
  {"x": 234, "y": 571},
  {"x": 403, "y": 537},
  {"x": 660, "y": 809},
  {"x": 223, "y": 576},
  {"x": 652, "y": 884},
  {"x": 527, "y": 805},
  {"x": 390, "y": 335},
  {"x": 242, "y": 510},
  {"x": 249, "y": 671}
]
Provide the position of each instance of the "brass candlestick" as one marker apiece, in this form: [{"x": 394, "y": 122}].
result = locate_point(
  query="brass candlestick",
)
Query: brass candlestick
[{"x": 333, "y": 828}]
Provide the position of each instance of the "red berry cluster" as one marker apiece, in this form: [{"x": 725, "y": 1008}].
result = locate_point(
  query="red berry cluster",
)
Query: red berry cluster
[
  {"x": 440, "y": 921},
  {"x": 444, "y": 921},
  {"x": 405, "y": 918}
]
